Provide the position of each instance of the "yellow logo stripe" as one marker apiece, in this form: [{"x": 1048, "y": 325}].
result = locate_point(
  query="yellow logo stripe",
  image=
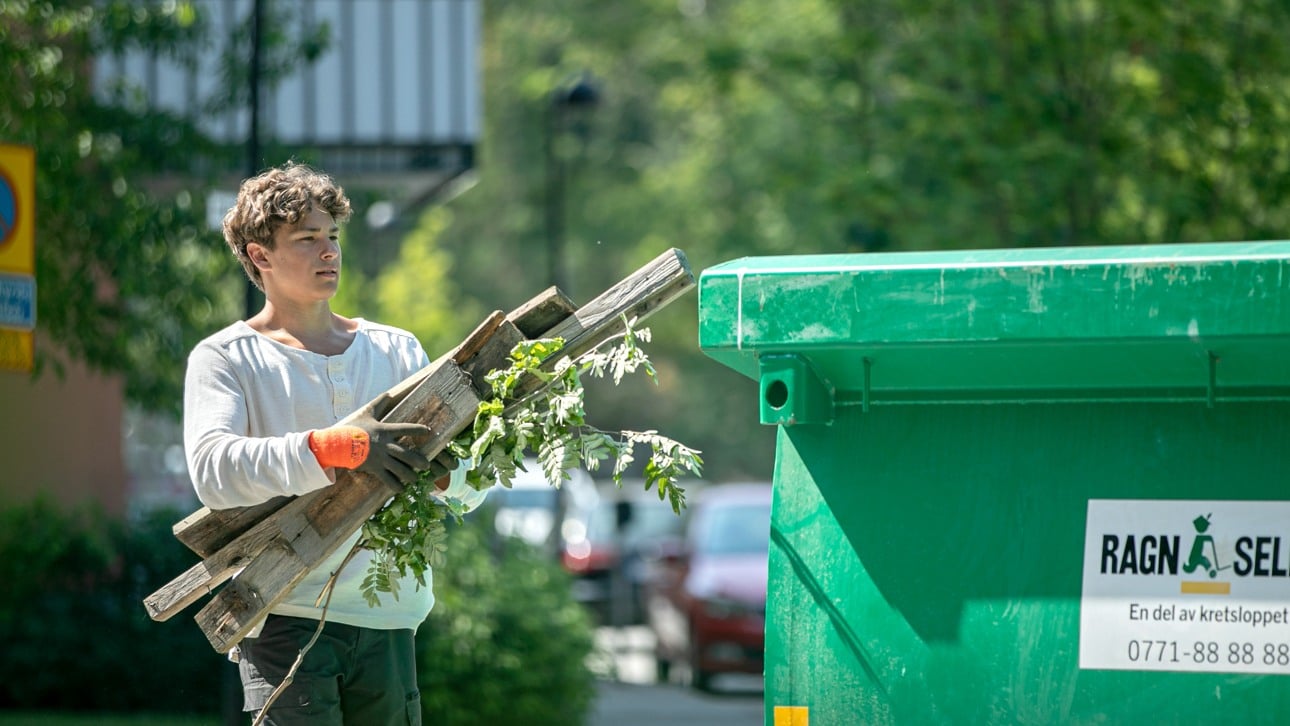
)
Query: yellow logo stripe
[
  {"x": 792, "y": 716},
  {"x": 1206, "y": 588}
]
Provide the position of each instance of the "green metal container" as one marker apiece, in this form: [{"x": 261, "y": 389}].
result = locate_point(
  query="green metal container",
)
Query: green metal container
[{"x": 1038, "y": 486}]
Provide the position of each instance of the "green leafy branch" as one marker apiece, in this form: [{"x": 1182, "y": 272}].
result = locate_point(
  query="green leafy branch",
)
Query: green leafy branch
[{"x": 409, "y": 535}]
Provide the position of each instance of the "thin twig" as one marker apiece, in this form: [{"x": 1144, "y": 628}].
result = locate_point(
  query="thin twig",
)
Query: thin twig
[{"x": 325, "y": 596}]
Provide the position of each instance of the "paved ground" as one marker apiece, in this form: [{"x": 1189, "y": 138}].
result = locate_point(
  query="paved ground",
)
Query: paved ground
[{"x": 629, "y": 696}]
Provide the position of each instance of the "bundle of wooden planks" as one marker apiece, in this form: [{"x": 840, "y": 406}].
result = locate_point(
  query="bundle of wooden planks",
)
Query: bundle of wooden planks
[{"x": 271, "y": 546}]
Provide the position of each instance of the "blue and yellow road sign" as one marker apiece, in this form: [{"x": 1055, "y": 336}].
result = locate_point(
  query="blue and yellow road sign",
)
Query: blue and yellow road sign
[{"x": 17, "y": 256}]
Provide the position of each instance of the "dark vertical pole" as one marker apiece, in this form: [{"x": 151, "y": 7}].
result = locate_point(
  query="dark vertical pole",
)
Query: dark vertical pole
[
  {"x": 555, "y": 262},
  {"x": 253, "y": 135},
  {"x": 554, "y": 197},
  {"x": 231, "y": 687},
  {"x": 562, "y": 103}
]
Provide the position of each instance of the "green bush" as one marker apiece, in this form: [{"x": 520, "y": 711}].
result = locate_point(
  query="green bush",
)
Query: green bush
[
  {"x": 506, "y": 642},
  {"x": 74, "y": 634},
  {"x": 505, "y": 638}
]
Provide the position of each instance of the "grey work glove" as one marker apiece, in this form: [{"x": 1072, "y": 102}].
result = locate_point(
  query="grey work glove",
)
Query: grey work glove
[{"x": 393, "y": 456}]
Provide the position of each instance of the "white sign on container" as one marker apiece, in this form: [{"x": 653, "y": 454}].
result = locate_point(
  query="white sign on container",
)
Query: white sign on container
[{"x": 1186, "y": 585}]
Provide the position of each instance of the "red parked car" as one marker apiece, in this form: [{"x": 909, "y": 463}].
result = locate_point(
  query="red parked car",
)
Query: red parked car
[
  {"x": 707, "y": 598},
  {"x": 609, "y": 549}
]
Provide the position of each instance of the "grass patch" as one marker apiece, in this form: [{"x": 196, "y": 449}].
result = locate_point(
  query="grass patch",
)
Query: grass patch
[{"x": 42, "y": 718}]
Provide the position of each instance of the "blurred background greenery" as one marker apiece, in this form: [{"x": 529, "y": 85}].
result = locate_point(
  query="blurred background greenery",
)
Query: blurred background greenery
[
  {"x": 722, "y": 128},
  {"x": 506, "y": 638}
]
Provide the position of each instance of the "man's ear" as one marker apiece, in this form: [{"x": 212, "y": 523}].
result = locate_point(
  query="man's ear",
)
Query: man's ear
[{"x": 258, "y": 255}]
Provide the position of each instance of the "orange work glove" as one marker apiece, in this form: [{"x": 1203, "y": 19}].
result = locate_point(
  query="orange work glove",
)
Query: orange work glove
[{"x": 387, "y": 451}]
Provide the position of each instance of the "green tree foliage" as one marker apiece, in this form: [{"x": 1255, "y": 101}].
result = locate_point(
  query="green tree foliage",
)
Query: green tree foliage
[
  {"x": 506, "y": 636},
  {"x": 505, "y": 640},
  {"x": 408, "y": 535},
  {"x": 725, "y": 128},
  {"x": 128, "y": 278},
  {"x": 417, "y": 288},
  {"x": 764, "y": 127},
  {"x": 73, "y": 635}
]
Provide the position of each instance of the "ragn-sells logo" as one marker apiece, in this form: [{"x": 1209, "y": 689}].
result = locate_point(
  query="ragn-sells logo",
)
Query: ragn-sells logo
[{"x": 1246, "y": 555}]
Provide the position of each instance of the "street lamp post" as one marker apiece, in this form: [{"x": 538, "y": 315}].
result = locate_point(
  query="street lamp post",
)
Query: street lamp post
[
  {"x": 576, "y": 97},
  {"x": 252, "y": 298}
]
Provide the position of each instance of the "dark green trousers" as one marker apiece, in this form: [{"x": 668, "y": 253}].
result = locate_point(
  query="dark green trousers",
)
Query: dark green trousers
[{"x": 350, "y": 677}]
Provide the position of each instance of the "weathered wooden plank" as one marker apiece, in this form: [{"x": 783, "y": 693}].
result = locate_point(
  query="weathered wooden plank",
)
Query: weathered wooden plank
[
  {"x": 241, "y": 548},
  {"x": 244, "y": 602},
  {"x": 548, "y": 314},
  {"x": 207, "y": 530},
  {"x": 210, "y": 573},
  {"x": 230, "y": 615},
  {"x": 269, "y": 577},
  {"x": 639, "y": 295},
  {"x": 542, "y": 313},
  {"x": 654, "y": 285},
  {"x": 191, "y": 586},
  {"x": 216, "y": 569},
  {"x": 328, "y": 517},
  {"x": 420, "y": 406},
  {"x": 314, "y": 526}
]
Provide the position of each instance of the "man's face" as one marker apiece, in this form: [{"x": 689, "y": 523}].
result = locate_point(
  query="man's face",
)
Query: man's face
[{"x": 304, "y": 264}]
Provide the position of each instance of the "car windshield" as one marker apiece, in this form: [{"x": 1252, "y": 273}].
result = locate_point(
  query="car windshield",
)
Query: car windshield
[
  {"x": 653, "y": 520},
  {"x": 601, "y": 526},
  {"x": 650, "y": 520},
  {"x": 734, "y": 529}
]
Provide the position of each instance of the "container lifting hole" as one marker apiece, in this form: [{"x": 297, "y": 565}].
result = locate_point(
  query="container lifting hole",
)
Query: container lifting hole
[
  {"x": 792, "y": 392},
  {"x": 776, "y": 394}
]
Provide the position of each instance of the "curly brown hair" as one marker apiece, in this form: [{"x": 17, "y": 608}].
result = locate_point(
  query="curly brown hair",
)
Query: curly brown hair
[{"x": 280, "y": 196}]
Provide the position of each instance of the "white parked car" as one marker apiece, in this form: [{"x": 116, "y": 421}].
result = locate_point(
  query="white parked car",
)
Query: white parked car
[{"x": 530, "y": 508}]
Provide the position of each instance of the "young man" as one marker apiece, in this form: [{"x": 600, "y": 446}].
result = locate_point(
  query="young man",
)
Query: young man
[{"x": 262, "y": 401}]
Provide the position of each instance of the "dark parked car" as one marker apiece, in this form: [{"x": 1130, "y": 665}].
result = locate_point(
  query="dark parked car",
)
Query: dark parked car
[
  {"x": 707, "y": 600},
  {"x": 609, "y": 548}
]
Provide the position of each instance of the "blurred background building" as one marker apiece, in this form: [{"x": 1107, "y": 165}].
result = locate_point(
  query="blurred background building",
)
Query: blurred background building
[{"x": 383, "y": 94}]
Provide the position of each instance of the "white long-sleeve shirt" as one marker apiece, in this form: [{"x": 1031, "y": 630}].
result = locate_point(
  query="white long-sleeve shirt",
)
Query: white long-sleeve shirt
[{"x": 249, "y": 405}]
